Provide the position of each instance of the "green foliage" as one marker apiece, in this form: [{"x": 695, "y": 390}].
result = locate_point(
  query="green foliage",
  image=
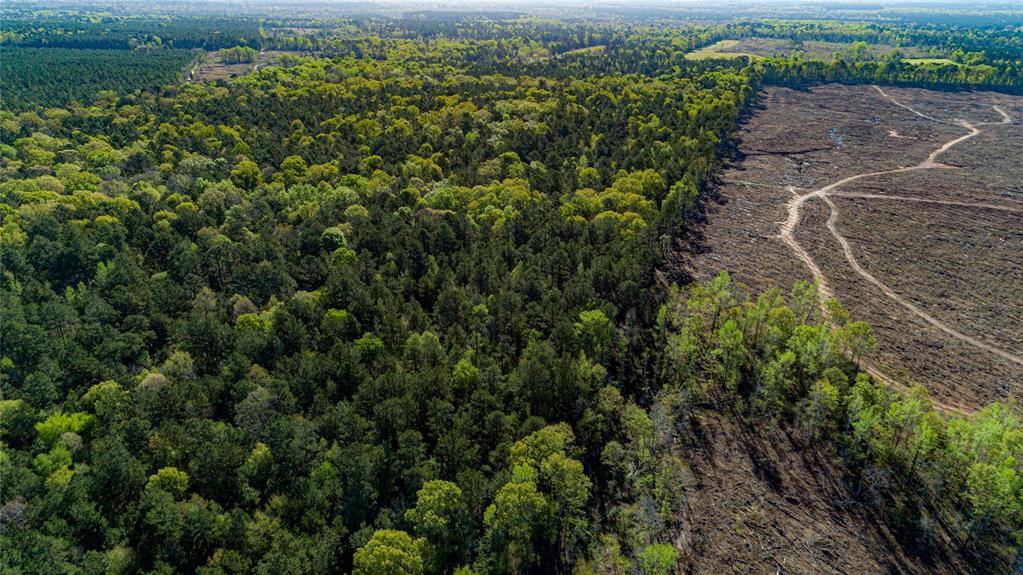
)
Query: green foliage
[
  {"x": 539, "y": 445},
  {"x": 109, "y": 401},
  {"x": 125, "y": 30},
  {"x": 58, "y": 424},
  {"x": 247, "y": 175},
  {"x": 239, "y": 54},
  {"x": 658, "y": 559},
  {"x": 407, "y": 280},
  {"x": 16, "y": 420},
  {"x": 440, "y": 518},
  {"x": 321, "y": 303},
  {"x": 439, "y": 504},
  {"x": 169, "y": 479},
  {"x": 595, "y": 332},
  {"x": 878, "y": 432},
  {"x": 35, "y": 77},
  {"x": 389, "y": 552},
  {"x": 518, "y": 516}
]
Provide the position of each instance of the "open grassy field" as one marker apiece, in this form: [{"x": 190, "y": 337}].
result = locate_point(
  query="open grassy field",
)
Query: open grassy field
[
  {"x": 213, "y": 67},
  {"x": 721, "y": 49},
  {"x": 906, "y": 204},
  {"x": 815, "y": 49}
]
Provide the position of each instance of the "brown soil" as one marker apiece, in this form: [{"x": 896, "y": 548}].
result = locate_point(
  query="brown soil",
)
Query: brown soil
[
  {"x": 906, "y": 205},
  {"x": 779, "y": 48},
  {"x": 760, "y": 502}
]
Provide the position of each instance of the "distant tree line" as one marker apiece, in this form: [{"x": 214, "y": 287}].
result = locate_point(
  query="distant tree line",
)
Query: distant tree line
[
  {"x": 87, "y": 31},
  {"x": 45, "y": 77}
]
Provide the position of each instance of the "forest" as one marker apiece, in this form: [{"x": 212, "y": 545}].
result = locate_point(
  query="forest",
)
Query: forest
[
  {"x": 104, "y": 30},
  {"x": 54, "y": 77},
  {"x": 401, "y": 305}
]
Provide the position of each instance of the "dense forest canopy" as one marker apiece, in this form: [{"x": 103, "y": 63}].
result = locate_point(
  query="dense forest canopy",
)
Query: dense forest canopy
[
  {"x": 104, "y": 30},
  {"x": 399, "y": 304},
  {"x": 34, "y": 77}
]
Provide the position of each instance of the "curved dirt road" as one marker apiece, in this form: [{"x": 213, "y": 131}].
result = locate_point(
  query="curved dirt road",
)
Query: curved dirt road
[{"x": 787, "y": 233}]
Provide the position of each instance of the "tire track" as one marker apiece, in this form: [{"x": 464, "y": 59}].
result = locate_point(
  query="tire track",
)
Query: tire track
[
  {"x": 928, "y": 201},
  {"x": 787, "y": 232}
]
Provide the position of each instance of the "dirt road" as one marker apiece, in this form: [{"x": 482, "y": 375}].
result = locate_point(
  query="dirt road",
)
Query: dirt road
[{"x": 794, "y": 207}]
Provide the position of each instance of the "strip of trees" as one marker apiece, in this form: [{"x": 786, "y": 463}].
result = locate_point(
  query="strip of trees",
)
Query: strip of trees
[{"x": 778, "y": 360}]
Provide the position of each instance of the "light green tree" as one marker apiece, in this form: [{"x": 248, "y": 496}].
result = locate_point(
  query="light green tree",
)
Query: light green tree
[
  {"x": 170, "y": 479},
  {"x": 247, "y": 175},
  {"x": 995, "y": 505},
  {"x": 438, "y": 517},
  {"x": 658, "y": 559},
  {"x": 59, "y": 423},
  {"x": 517, "y": 518},
  {"x": 568, "y": 489},
  {"x": 595, "y": 331},
  {"x": 389, "y": 552}
]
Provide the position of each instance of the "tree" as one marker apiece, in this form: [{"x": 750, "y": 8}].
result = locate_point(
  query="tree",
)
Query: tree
[
  {"x": 517, "y": 518},
  {"x": 730, "y": 355},
  {"x": 247, "y": 175},
  {"x": 679, "y": 208},
  {"x": 293, "y": 169},
  {"x": 389, "y": 552},
  {"x": 438, "y": 517},
  {"x": 569, "y": 490},
  {"x": 109, "y": 401},
  {"x": 819, "y": 409},
  {"x": 805, "y": 298},
  {"x": 658, "y": 559},
  {"x": 60, "y": 423},
  {"x": 116, "y": 477},
  {"x": 995, "y": 505},
  {"x": 169, "y": 479},
  {"x": 439, "y": 505},
  {"x": 595, "y": 331},
  {"x": 859, "y": 339},
  {"x": 537, "y": 446},
  {"x": 16, "y": 421}
]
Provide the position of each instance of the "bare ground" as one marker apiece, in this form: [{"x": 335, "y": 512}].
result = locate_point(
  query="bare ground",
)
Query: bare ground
[
  {"x": 927, "y": 250},
  {"x": 212, "y": 66},
  {"x": 760, "y": 502}
]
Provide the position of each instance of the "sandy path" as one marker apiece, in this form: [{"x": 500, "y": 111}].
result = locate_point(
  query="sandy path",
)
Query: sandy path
[
  {"x": 787, "y": 233},
  {"x": 927, "y": 201},
  {"x": 1006, "y": 118}
]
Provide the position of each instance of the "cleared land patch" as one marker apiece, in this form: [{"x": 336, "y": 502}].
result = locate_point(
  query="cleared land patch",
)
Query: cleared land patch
[
  {"x": 918, "y": 232},
  {"x": 761, "y": 502},
  {"x": 213, "y": 66},
  {"x": 720, "y": 49},
  {"x": 815, "y": 49}
]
